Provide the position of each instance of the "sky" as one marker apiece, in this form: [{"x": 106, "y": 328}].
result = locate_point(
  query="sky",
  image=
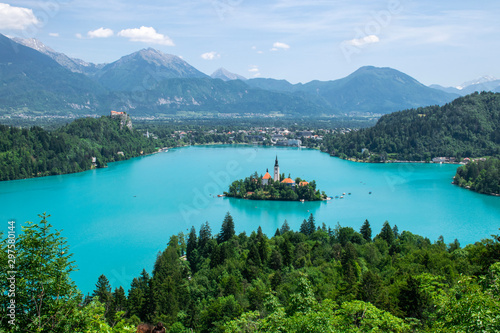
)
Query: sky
[{"x": 437, "y": 42}]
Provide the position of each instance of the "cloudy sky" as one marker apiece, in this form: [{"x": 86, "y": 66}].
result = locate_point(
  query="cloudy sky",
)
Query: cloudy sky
[{"x": 445, "y": 42}]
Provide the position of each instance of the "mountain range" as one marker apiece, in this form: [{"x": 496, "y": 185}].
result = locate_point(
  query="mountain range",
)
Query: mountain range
[
  {"x": 35, "y": 78},
  {"x": 484, "y": 83}
]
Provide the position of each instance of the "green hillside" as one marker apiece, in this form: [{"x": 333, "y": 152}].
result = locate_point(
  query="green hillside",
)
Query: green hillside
[
  {"x": 35, "y": 152},
  {"x": 467, "y": 127},
  {"x": 480, "y": 176},
  {"x": 210, "y": 95}
]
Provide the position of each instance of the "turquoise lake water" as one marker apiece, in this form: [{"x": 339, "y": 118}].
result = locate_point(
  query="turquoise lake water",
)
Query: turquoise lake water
[{"x": 117, "y": 219}]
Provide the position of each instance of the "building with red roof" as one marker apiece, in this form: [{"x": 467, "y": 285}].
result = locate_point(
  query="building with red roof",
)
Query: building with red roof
[
  {"x": 288, "y": 181},
  {"x": 265, "y": 179}
]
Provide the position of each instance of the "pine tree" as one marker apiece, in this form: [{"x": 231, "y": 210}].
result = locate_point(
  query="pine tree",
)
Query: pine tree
[
  {"x": 304, "y": 227},
  {"x": 205, "y": 237},
  {"x": 139, "y": 297},
  {"x": 227, "y": 229},
  {"x": 118, "y": 303},
  {"x": 262, "y": 246},
  {"x": 285, "y": 227},
  {"x": 192, "y": 244},
  {"x": 366, "y": 231},
  {"x": 395, "y": 231},
  {"x": 45, "y": 294},
  {"x": 103, "y": 293},
  {"x": 311, "y": 225},
  {"x": 386, "y": 233}
]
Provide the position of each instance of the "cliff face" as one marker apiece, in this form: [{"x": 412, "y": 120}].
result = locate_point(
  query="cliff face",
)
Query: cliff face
[{"x": 124, "y": 120}]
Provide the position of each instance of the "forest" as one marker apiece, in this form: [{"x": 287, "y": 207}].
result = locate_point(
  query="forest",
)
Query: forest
[
  {"x": 316, "y": 279},
  {"x": 253, "y": 188},
  {"x": 35, "y": 152},
  {"x": 467, "y": 127},
  {"x": 480, "y": 176}
]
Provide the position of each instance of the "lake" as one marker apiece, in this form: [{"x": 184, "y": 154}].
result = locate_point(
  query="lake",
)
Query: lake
[{"x": 117, "y": 219}]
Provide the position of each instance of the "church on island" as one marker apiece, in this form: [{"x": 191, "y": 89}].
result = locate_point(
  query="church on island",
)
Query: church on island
[
  {"x": 275, "y": 187},
  {"x": 288, "y": 181}
]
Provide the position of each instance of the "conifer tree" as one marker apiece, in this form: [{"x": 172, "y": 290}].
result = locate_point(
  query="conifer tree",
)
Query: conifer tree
[
  {"x": 311, "y": 225},
  {"x": 192, "y": 244},
  {"x": 103, "y": 294},
  {"x": 285, "y": 227},
  {"x": 395, "y": 231},
  {"x": 44, "y": 291},
  {"x": 386, "y": 233},
  {"x": 366, "y": 231},
  {"x": 304, "y": 227},
  {"x": 205, "y": 237},
  {"x": 227, "y": 229}
]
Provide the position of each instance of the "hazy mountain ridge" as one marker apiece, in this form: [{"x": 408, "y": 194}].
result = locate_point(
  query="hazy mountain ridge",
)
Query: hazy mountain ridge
[
  {"x": 226, "y": 75},
  {"x": 149, "y": 82},
  {"x": 73, "y": 64},
  {"x": 484, "y": 83},
  {"x": 32, "y": 81},
  {"x": 369, "y": 89},
  {"x": 143, "y": 70}
]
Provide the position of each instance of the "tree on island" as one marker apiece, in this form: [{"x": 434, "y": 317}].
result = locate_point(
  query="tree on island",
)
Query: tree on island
[{"x": 253, "y": 188}]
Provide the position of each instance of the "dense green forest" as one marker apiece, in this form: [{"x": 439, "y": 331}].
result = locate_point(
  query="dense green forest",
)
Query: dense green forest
[
  {"x": 467, "y": 127},
  {"x": 253, "y": 188},
  {"x": 480, "y": 176},
  {"x": 34, "y": 152},
  {"x": 317, "y": 279}
]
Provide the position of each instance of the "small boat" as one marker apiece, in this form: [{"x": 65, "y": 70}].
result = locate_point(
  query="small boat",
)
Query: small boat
[
  {"x": 341, "y": 197},
  {"x": 343, "y": 193},
  {"x": 302, "y": 200},
  {"x": 336, "y": 197},
  {"x": 349, "y": 193},
  {"x": 369, "y": 192},
  {"x": 220, "y": 195}
]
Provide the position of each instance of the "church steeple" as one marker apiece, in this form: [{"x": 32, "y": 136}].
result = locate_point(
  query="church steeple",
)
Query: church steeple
[{"x": 276, "y": 177}]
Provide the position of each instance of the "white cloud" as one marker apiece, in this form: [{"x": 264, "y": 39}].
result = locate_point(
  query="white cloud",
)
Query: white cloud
[
  {"x": 16, "y": 18},
  {"x": 254, "y": 69},
  {"x": 210, "y": 55},
  {"x": 101, "y": 33},
  {"x": 279, "y": 45},
  {"x": 54, "y": 34},
  {"x": 363, "y": 41},
  {"x": 146, "y": 35},
  {"x": 79, "y": 36}
]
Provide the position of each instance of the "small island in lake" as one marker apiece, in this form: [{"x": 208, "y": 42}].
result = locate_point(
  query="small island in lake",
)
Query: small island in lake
[{"x": 277, "y": 187}]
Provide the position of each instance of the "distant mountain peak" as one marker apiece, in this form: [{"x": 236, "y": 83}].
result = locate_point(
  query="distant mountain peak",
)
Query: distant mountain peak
[
  {"x": 34, "y": 44},
  {"x": 226, "y": 75},
  {"x": 153, "y": 57},
  {"x": 73, "y": 64},
  {"x": 482, "y": 79},
  {"x": 146, "y": 65}
]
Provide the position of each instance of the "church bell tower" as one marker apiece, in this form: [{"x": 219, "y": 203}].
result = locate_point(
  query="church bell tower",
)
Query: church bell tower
[{"x": 276, "y": 170}]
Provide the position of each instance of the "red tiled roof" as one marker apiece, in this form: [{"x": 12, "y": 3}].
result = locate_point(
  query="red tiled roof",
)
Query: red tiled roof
[
  {"x": 303, "y": 183},
  {"x": 267, "y": 176},
  {"x": 288, "y": 181}
]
